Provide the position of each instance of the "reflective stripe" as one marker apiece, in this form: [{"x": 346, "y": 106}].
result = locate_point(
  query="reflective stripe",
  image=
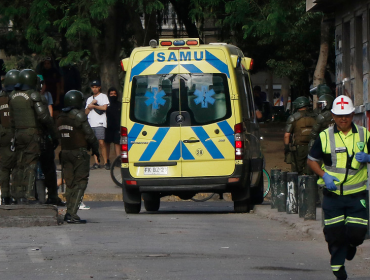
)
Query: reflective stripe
[
  {"x": 166, "y": 69},
  {"x": 360, "y": 131},
  {"x": 153, "y": 146},
  {"x": 350, "y": 187},
  {"x": 142, "y": 65},
  {"x": 356, "y": 221},
  {"x": 334, "y": 220},
  {"x": 336, "y": 267},
  {"x": 313, "y": 159},
  {"x": 207, "y": 142},
  {"x": 342, "y": 170},
  {"x": 228, "y": 131},
  {"x": 332, "y": 146},
  {"x": 134, "y": 133}
]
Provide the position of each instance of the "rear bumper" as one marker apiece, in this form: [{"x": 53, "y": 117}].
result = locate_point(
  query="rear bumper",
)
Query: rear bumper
[{"x": 195, "y": 184}]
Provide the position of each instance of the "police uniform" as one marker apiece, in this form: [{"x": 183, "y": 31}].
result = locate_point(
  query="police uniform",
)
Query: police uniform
[
  {"x": 300, "y": 125},
  {"x": 7, "y": 155},
  {"x": 345, "y": 208},
  {"x": 29, "y": 117},
  {"x": 76, "y": 138}
]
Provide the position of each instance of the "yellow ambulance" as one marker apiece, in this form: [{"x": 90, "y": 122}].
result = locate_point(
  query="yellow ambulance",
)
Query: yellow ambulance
[{"x": 188, "y": 125}]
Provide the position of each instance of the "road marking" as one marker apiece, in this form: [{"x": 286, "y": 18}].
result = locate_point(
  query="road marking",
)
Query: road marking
[
  {"x": 3, "y": 256},
  {"x": 63, "y": 239},
  {"x": 35, "y": 255}
]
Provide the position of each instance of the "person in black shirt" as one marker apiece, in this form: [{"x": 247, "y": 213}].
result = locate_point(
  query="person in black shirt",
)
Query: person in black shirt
[{"x": 112, "y": 133}]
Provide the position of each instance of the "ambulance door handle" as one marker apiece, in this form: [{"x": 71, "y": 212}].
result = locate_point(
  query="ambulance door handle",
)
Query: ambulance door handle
[{"x": 191, "y": 141}]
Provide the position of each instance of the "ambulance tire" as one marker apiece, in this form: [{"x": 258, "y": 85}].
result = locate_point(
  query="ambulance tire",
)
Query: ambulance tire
[
  {"x": 257, "y": 193},
  {"x": 132, "y": 208},
  {"x": 152, "y": 205},
  {"x": 242, "y": 206}
]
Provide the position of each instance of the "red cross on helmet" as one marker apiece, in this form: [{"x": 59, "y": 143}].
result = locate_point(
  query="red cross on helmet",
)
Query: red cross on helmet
[{"x": 342, "y": 105}]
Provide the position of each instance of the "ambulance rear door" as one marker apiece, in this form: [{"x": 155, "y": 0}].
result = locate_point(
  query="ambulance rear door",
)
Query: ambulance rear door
[{"x": 153, "y": 136}]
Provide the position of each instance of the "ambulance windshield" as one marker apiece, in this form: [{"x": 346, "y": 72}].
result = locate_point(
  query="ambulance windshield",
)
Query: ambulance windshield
[{"x": 204, "y": 96}]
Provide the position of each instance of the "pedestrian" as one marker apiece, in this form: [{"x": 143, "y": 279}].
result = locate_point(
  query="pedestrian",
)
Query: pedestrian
[
  {"x": 8, "y": 157},
  {"x": 29, "y": 117},
  {"x": 53, "y": 84},
  {"x": 112, "y": 133},
  {"x": 297, "y": 135},
  {"x": 96, "y": 106},
  {"x": 76, "y": 139},
  {"x": 344, "y": 150}
]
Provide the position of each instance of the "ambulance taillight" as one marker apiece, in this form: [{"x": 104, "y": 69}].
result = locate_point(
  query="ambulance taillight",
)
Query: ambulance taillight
[
  {"x": 239, "y": 143},
  {"x": 124, "y": 145},
  {"x": 123, "y": 68}
]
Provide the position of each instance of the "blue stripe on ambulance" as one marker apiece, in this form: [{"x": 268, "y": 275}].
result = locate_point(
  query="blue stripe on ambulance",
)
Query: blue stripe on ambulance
[
  {"x": 134, "y": 133},
  {"x": 142, "y": 65},
  {"x": 228, "y": 131},
  {"x": 210, "y": 146},
  {"x": 153, "y": 146},
  {"x": 176, "y": 154},
  {"x": 191, "y": 68},
  {"x": 167, "y": 69},
  {"x": 218, "y": 64},
  {"x": 186, "y": 155}
]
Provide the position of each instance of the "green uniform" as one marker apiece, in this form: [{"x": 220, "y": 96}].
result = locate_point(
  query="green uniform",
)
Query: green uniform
[
  {"x": 76, "y": 139},
  {"x": 299, "y": 125},
  {"x": 7, "y": 156},
  {"x": 30, "y": 117},
  {"x": 323, "y": 121}
]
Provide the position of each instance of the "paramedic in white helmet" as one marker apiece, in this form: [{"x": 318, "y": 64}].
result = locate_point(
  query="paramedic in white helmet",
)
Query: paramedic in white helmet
[{"x": 343, "y": 149}]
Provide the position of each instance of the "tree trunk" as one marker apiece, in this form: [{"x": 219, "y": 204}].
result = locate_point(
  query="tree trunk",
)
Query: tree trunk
[
  {"x": 285, "y": 90},
  {"x": 319, "y": 75},
  {"x": 270, "y": 93}
]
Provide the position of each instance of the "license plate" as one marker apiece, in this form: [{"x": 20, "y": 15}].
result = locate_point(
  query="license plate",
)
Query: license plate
[{"x": 155, "y": 170}]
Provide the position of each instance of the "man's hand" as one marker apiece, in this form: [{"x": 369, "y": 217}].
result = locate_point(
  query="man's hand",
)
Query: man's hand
[
  {"x": 94, "y": 101},
  {"x": 329, "y": 181},
  {"x": 362, "y": 157},
  {"x": 90, "y": 106}
]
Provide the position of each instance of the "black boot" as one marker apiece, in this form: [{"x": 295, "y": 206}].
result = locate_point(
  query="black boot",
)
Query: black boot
[
  {"x": 57, "y": 202},
  {"x": 5, "y": 201},
  {"x": 341, "y": 274},
  {"x": 71, "y": 217}
]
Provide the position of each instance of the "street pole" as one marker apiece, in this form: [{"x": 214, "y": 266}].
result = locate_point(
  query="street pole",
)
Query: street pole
[
  {"x": 281, "y": 192},
  {"x": 310, "y": 197},
  {"x": 275, "y": 176},
  {"x": 292, "y": 193},
  {"x": 302, "y": 182}
]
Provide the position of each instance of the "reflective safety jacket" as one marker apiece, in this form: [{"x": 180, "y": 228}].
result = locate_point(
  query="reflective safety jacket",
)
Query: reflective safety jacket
[{"x": 342, "y": 149}]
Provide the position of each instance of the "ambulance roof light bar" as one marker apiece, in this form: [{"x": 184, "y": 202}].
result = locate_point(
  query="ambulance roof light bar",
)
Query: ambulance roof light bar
[{"x": 179, "y": 42}]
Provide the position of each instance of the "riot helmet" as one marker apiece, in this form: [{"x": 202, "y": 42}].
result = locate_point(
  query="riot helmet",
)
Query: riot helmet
[
  {"x": 323, "y": 89},
  {"x": 73, "y": 100},
  {"x": 325, "y": 102},
  {"x": 27, "y": 80},
  {"x": 301, "y": 102},
  {"x": 11, "y": 79}
]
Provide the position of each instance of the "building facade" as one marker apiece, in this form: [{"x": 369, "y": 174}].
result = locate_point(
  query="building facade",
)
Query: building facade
[{"x": 352, "y": 36}]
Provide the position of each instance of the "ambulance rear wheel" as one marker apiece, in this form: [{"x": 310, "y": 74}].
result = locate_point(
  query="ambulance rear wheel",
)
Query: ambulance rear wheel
[
  {"x": 132, "y": 208},
  {"x": 152, "y": 204},
  {"x": 242, "y": 206}
]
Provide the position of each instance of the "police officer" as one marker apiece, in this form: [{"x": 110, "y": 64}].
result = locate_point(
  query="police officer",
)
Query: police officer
[
  {"x": 344, "y": 149},
  {"x": 29, "y": 116},
  {"x": 324, "y": 119},
  {"x": 7, "y": 155},
  {"x": 76, "y": 139},
  {"x": 297, "y": 135}
]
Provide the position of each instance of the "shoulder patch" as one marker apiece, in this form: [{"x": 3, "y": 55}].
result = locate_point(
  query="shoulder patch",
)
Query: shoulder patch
[{"x": 35, "y": 96}]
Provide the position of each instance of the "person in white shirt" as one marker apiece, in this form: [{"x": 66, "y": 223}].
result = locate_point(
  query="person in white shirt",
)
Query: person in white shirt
[{"x": 96, "y": 106}]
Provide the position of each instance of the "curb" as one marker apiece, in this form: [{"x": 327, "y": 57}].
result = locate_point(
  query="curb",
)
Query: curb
[{"x": 312, "y": 229}]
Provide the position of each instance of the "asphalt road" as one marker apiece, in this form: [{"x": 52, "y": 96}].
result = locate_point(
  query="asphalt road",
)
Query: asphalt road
[{"x": 185, "y": 240}]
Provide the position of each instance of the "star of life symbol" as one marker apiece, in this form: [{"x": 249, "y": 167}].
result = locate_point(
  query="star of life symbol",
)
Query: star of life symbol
[
  {"x": 155, "y": 98},
  {"x": 342, "y": 103},
  {"x": 204, "y": 97}
]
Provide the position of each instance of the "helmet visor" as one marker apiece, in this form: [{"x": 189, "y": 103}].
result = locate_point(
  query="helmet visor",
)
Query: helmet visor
[{"x": 322, "y": 104}]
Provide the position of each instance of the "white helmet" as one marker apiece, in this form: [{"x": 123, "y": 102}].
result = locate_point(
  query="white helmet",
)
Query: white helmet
[{"x": 342, "y": 105}]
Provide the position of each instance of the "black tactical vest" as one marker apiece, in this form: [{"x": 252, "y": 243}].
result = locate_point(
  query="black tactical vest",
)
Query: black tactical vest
[
  {"x": 22, "y": 111},
  {"x": 71, "y": 137},
  {"x": 4, "y": 111}
]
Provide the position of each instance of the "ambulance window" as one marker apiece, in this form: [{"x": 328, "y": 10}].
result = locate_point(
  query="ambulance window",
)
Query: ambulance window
[
  {"x": 208, "y": 98},
  {"x": 249, "y": 91},
  {"x": 151, "y": 99},
  {"x": 244, "y": 94}
]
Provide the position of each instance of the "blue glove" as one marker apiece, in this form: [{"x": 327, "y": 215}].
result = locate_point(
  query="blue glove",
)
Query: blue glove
[
  {"x": 362, "y": 157},
  {"x": 329, "y": 181}
]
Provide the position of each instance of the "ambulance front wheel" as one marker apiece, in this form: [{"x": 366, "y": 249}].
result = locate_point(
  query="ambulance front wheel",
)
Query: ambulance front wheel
[{"x": 132, "y": 208}]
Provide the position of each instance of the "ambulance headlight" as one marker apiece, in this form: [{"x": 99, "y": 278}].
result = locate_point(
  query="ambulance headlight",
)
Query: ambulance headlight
[{"x": 153, "y": 43}]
